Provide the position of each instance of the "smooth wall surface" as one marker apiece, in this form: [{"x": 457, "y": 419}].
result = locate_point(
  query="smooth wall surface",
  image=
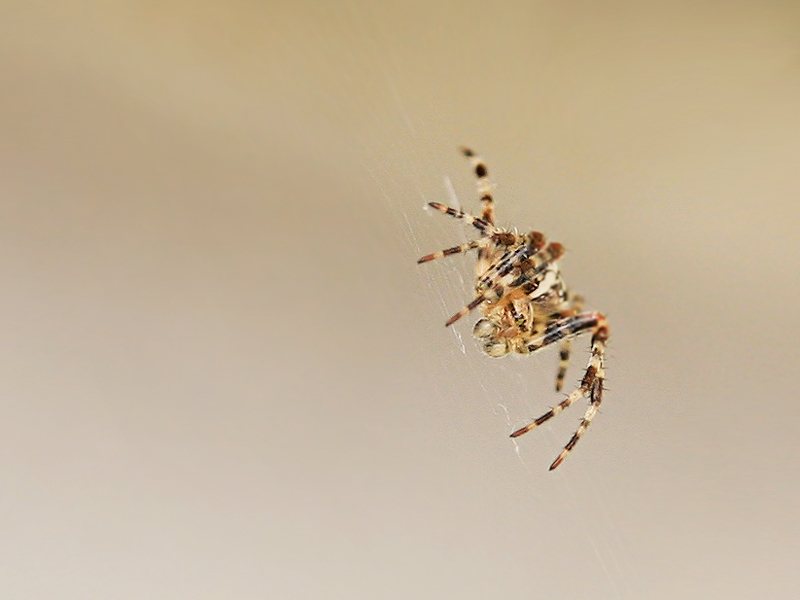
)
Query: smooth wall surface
[{"x": 222, "y": 374}]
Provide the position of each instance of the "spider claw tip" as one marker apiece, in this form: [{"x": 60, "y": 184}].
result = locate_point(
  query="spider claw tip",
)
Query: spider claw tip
[{"x": 454, "y": 318}]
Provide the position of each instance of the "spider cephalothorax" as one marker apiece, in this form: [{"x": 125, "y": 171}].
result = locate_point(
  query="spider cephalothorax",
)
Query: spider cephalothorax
[{"x": 525, "y": 304}]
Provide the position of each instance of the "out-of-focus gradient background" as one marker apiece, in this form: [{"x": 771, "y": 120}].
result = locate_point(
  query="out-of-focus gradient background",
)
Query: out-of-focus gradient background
[{"x": 224, "y": 376}]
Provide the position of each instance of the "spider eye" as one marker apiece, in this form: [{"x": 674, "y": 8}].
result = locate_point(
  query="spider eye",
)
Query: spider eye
[
  {"x": 496, "y": 349},
  {"x": 484, "y": 328}
]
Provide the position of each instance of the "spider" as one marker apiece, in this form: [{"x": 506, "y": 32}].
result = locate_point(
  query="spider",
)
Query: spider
[{"x": 525, "y": 304}]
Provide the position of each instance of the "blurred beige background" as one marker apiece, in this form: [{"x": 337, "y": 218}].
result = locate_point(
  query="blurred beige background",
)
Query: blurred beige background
[{"x": 224, "y": 376}]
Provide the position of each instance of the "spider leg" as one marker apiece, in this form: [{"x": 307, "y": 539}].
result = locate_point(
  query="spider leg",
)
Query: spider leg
[
  {"x": 513, "y": 258},
  {"x": 455, "y": 250},
  {"x": 493, "y": 282},
  {"x": 477, "y": 301},
  {"x": 532, "y": 267},
  {"x": 595, "y": 398},
  {"x": 484, "y": 187},
  {"x": 592, "y": 382},
  {"x": 518, "y": 271},
  {"x": 576, "y": 305},
  {"x": 505, "y": 274},
  {"x": 481, "y": 225},
  {"x": 499, "y": 238}
]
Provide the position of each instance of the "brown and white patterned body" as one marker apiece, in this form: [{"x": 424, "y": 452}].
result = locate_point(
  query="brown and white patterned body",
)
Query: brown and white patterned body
[{"x": 525, "y": 304}]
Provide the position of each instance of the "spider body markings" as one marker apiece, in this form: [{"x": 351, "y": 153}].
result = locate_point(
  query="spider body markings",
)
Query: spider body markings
[{"x": 525, "y": 303}]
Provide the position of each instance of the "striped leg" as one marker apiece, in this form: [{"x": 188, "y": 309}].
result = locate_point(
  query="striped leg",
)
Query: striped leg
[
  {"x": 595, "y": 394},
  {"x": 592, "y": 382},
  {"x": 480, "y": 224},
  {"x": 483, "y": 242},
  {"x": 576, "y": 305},
  {"x": 519, "y": 258},
  {"x": 534, "y": 239},
  {"x": 484, "y": 187},
  {"x": 595, "y": 398}
]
